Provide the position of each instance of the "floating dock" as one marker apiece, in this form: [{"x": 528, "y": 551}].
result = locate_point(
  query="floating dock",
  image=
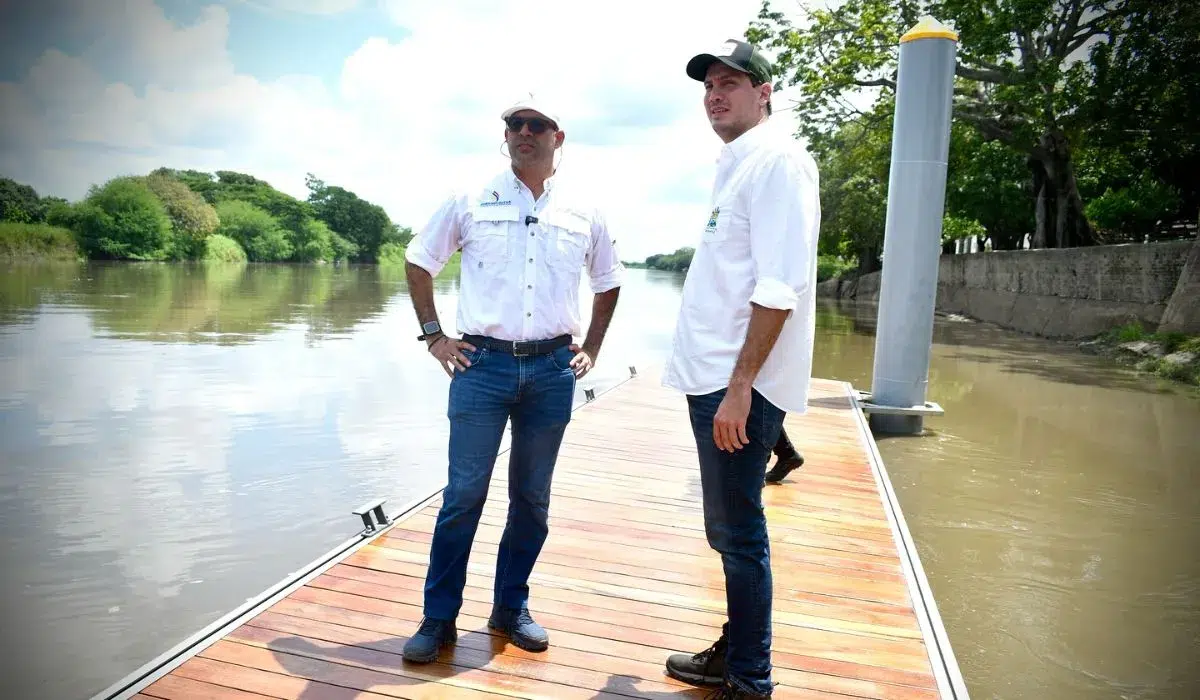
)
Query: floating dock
[{"x": 625, "y": 579}]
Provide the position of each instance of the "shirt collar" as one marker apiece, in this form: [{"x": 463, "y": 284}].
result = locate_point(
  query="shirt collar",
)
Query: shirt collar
[
  {"x": 753, "y": 137},
  {"x": 516, "y": 183}
]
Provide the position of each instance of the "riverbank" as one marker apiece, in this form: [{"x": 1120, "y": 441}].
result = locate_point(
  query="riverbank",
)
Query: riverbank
[
  {"x": 36, "y": 242},
  {"x": 1173, "y": 356}
]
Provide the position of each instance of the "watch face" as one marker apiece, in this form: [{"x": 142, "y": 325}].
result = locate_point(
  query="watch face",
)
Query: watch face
[{"x": 431, "y": 327}]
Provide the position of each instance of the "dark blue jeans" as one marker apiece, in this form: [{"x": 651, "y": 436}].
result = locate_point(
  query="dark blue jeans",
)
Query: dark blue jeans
[
  {"x": 737, "y": 528},
  {"x": 536, "y": 393}
]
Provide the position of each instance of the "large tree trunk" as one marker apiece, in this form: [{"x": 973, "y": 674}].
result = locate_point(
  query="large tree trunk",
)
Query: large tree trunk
[
  {"x": 1040, "y": 184},
  {"x": 1061, "y": 222}
]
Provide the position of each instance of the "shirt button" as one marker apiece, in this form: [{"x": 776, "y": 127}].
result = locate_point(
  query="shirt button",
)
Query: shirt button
[
  {"x": 529, "y": 286},
  {"x": 528, "y": 313},
  {"x": 531, "y": 260}
]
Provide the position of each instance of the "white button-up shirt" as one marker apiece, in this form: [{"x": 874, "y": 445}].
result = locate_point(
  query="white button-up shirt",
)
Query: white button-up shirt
[
  {"x": 759, "y": 246},
  {"x": 520, "y": 281}
]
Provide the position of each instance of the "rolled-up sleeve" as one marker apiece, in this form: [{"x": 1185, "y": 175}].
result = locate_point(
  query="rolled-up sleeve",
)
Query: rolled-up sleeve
[
  {"x": 784, "y": 218},
  {"x": 605, "y": 270},
  {"x": 432, "y": 247}
]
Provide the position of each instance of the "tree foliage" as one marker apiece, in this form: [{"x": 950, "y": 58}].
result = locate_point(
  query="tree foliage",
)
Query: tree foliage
[
  {"x": 120, "y": 220},
  {"x": 259, "y": 233},
  {"x": 192, "y": 218},
  {"x": 123, "y": 220},
  {"x": 679, "y": 261},
  {"x": 20, "y": 203},
  {"x": 363, "y": 224},
  {"x": 1046, "y": 92}
]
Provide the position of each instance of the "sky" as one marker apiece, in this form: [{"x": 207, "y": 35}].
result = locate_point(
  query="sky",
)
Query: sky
[{"x": 378, "y": 96}]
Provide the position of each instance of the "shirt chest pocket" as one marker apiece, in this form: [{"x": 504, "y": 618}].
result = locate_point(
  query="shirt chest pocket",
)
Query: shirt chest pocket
[
  {"x": 569, "y": 237},
  {"x": 720, "y": 229},
  {"x": 488, "y": 240}
]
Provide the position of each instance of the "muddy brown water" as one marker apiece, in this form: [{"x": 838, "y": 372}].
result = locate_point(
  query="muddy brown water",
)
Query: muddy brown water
[{"x": 174, "y": 439}]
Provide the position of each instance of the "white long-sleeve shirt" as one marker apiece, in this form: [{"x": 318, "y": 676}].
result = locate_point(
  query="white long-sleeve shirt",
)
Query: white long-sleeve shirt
[
  {"x": 759, "y": 246},
  {"x": 520, "y": 281}
]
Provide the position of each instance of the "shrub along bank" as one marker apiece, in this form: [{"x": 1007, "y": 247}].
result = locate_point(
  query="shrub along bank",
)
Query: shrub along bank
[{"x": 192, "y": 215}]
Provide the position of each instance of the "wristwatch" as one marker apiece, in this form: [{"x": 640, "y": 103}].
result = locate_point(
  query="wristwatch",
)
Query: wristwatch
[{"x": 431, "y": 329}]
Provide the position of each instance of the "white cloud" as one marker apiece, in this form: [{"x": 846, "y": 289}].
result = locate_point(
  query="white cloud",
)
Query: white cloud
[
  {"x": 309, "y": 7},
  {"x": 407, "y": 120}
]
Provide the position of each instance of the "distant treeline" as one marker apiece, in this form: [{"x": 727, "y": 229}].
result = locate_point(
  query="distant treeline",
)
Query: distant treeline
[
  {"x": 192, "y": 215},
  {"x": 679, "y": 261}
]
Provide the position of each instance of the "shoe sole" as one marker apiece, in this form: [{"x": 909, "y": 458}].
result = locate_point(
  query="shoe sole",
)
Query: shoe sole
[
  {"x": 695, "y": 679},
  {"x": 519, "y": 641}
]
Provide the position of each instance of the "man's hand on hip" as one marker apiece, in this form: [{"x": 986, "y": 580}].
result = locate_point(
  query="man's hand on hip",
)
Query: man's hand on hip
[
  {"x": 448, "y": 352},
  {"x": 582, "y": 362},
  {"x": 729, "y": 425}
]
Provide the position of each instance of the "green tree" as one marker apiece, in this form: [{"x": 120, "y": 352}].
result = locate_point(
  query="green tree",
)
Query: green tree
[
  {"x": 1143, "y": 139},
  {"x": 123, "y": 220},
  {"x": 192, "y": 218},
  {"x": 987, "y": 182},
  {"x": 255, "y": 230},
  {"x": 20, "y": 203},
  {"x": 1016, "y": 82},
  {"x": 365, "y": 225}
]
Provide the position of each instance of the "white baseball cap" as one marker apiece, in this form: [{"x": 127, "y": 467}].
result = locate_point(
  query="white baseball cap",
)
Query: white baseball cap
[{"x": 533, "y": 103}]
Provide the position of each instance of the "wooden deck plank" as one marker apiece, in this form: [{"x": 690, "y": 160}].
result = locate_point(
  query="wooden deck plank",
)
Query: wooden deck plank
[{"x": 626, "y": 578}]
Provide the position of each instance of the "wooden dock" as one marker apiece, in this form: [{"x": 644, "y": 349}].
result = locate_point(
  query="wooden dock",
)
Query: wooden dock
[{"x": 625, "y": 579}]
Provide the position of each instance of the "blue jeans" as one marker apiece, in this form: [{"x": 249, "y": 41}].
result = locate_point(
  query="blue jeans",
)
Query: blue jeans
[
  {"x": 736, "y": 527},
  {"x": 536, "y": 392}
]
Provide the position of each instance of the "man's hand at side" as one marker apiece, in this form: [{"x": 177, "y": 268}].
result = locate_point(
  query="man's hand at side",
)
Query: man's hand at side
[
  {"x": 448, "y": 352},
  {"x": 729, "y": 425},
  {"x": 582, "y": 363}
]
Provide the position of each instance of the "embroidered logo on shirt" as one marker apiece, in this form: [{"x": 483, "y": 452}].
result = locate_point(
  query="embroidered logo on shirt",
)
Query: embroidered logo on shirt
[
  {"x": 495, "y": 201},
  {"x": 712, "y": 220}
]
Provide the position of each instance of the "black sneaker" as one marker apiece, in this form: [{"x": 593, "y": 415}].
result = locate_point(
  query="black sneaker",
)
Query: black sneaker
[
  {"x": 783, "y": 467},
  {"x": 520, "y": 627},
  {"x": 433, "y": 634},
  {"x": 705, "y": 668}
]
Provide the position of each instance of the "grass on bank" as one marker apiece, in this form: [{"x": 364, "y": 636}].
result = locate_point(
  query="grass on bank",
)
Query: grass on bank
[
  {"x": 392, "y": 255},
  {"x": 1167, "y": 344},
  {"x": 22, "y": 242}
]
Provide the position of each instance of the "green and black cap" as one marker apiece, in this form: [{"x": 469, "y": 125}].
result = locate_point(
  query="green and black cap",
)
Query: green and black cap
[{"x": 736, "y": 54}]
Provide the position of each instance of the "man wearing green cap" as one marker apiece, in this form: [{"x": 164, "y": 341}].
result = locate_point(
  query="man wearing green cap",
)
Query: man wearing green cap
[{"x": 743, "y": 348}]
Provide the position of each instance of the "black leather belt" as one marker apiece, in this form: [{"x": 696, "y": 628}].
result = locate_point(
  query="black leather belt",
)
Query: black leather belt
[{"x": 519, "y": 348}]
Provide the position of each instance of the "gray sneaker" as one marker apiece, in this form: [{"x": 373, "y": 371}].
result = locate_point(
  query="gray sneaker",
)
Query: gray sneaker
[
  {"x": 520, "y": 627},
  {"x": 425, "y": 645}
]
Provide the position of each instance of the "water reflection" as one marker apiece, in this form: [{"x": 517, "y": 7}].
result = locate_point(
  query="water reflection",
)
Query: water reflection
[{"x": 176, "y": 438}]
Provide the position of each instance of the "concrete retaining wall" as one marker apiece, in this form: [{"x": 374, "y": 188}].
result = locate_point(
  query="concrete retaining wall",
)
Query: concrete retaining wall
[{"x": 1057, "y": 293}]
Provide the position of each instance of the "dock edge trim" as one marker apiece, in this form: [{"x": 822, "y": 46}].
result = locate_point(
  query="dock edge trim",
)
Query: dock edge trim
[
  {"x": 163, "y": 664},
  {"x": 937, "y": 642},
  {"x": 168, "y": 661}
]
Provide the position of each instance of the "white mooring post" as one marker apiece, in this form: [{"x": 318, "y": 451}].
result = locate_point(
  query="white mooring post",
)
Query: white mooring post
[{"x": 912, "y": 237}]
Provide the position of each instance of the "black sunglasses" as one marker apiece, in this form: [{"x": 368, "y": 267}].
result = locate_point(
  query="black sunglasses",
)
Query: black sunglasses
[{"x": 537, "y": 125}]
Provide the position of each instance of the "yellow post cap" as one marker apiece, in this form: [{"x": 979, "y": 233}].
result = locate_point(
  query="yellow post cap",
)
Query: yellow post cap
[{"x": 929, "y": 28}]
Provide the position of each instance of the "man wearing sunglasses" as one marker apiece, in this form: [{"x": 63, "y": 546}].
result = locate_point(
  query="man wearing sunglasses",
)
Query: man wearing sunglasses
[
  {"x": 743, "y": 348},
  {"x": 526, "y": 236}
]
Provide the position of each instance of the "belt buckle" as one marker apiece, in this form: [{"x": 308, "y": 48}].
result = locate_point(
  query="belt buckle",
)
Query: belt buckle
[{"x": 515, "y": 352}]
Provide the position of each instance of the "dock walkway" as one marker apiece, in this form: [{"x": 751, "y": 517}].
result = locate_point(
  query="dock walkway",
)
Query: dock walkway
[{"x": 625, "y": 579}]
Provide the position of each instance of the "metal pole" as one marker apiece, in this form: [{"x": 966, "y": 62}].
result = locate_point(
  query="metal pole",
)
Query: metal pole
[{"x": 912, "y": 237}]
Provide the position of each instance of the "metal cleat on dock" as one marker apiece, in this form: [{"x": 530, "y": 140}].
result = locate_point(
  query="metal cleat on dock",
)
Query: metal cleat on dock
[{"x": 364, "y": 511}]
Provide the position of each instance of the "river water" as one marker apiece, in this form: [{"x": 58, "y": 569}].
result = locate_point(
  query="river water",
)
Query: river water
[{"x": 174, "y": 439}]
